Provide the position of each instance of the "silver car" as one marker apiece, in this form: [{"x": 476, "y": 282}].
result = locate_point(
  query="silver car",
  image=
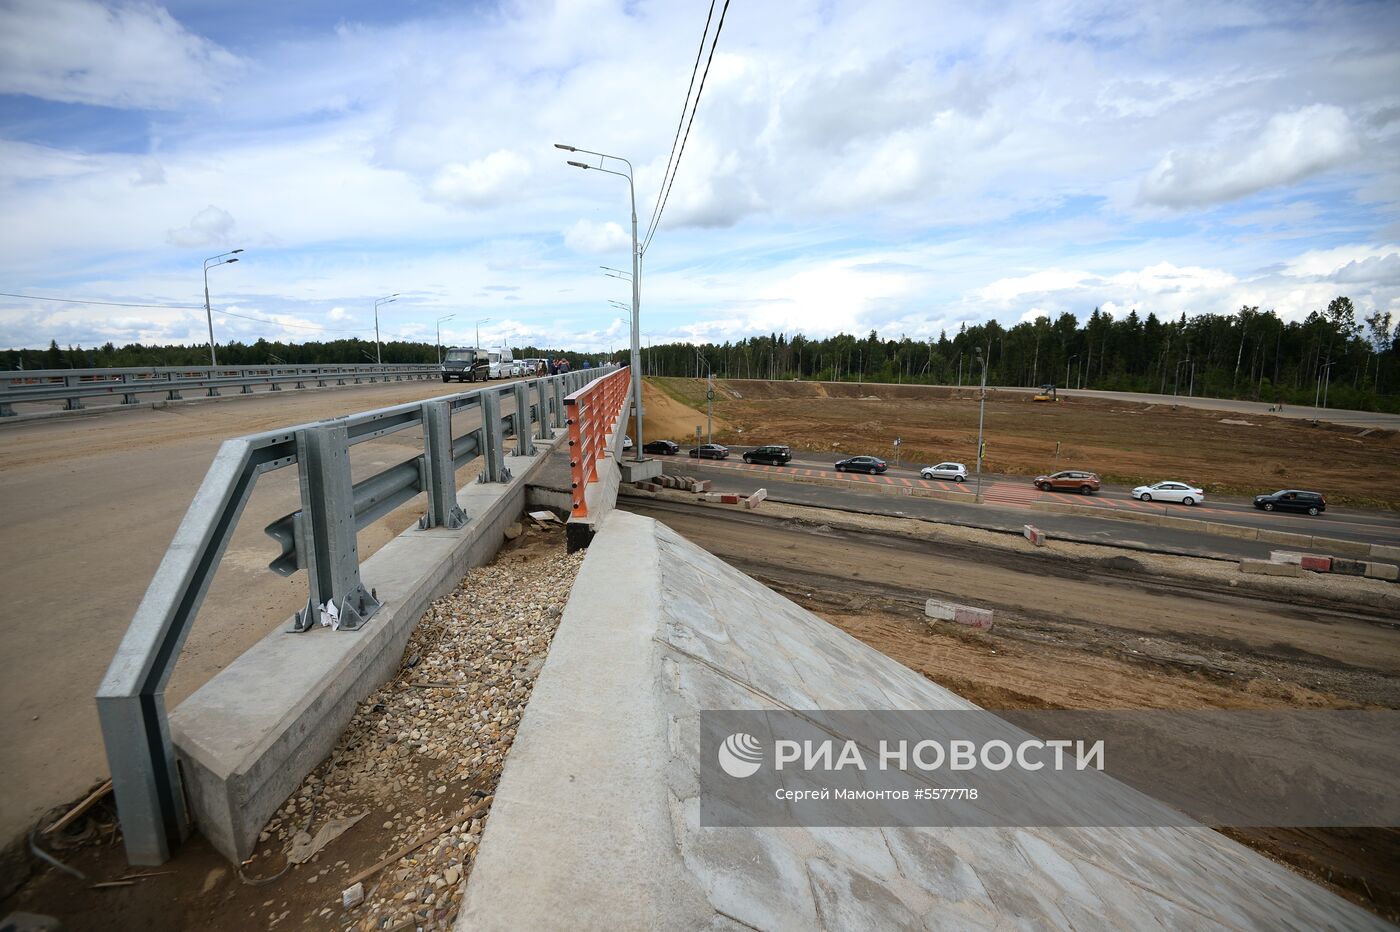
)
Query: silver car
[
  {"x": 955, "y": 471},
  {"x": 1169, "y": 492}
]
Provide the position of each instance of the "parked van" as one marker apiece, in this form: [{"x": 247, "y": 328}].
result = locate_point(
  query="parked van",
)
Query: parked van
[
  {"x": 465, "y": 364},
  {"x": 501, "y": 363}
]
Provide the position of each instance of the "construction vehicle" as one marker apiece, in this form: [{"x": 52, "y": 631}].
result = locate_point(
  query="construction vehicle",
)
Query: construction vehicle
[{"x": 1047, "y": 393}]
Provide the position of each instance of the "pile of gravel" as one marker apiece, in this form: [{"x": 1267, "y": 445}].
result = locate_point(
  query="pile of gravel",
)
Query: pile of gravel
[{"x": 422, "y": 756}]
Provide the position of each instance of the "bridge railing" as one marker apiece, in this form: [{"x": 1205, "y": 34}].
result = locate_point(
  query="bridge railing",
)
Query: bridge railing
[
  {"x": 72, "y": 386},
  {"x": 592, "y": 413},
  {"x": 319, "y": 537}
]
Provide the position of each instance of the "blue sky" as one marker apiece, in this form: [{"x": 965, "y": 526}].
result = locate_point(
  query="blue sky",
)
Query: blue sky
[{"x": 898, "y": 166}]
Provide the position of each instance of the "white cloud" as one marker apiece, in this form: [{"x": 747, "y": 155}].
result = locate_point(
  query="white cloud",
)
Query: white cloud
[
  {"x": 123, "y": 55},
  {"x": 1323, "y": 262},
  {"x": 588, "y": 237},
  {"x": 210, "y": 227},
  {"x": 1291, "y": 147},
  {"x": 485, "y": 182},
  {"x": 1005, "y": 290}
]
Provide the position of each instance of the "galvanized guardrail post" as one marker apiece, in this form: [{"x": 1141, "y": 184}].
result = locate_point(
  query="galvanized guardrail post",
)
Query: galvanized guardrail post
[
  {"x": 524, "y": 442},
  {"x": 542, "y": 431},
  {"x": 70, "y": 404},
  {"x": 556, "y": 419},
  {"x": 441, "y": 478},
  {"x": 327, "y": 529},
  {"x": 493, "y": 467}
]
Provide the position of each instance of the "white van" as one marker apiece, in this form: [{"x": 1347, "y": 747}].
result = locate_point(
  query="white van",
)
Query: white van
[{"x": 501, "y": 363}]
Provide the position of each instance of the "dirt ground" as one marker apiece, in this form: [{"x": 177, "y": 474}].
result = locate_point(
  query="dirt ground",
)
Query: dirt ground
[
  {"x": 1124, "y": 442},
  {"x": 1177, "y": 636}
]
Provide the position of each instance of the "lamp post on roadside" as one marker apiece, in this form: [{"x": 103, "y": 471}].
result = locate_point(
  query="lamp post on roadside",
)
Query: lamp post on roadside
[
  {"x": 1326, "y": 372},
  {"x": 208, "y": 314},
  {"x": 981, "y": 416},
  {"x": 636, "y": 280},
  {"x": 484, "y": 320},
  {"x": 387, "y": 299},
  {"x": 439, "y": 335},
  {"x": 709, "y": 396},
  {"x": 1067, "y": 365}
]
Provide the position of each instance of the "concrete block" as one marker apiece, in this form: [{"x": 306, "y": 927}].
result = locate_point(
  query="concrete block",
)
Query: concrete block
[
  {"x": 1181, "y": 524},
  {"x": 1232, "y": 530},
  {"x": 1351, "y": 548},
  {"x": 968, "y": 615},
  {"x": 1034, "y": 534},
  {"x": 729, "y": 498},
  {"x": 1315, "y": 563},
  {"x": 1382, "y": 571},
  {"x": 753, "y": 500},
  {"x": 1345, "y": 567},
  {"x": 703, "y": 485},
  {"x": 1285, "y": 556},
  {"x": 649, "y": 486},
  {"x": 1383, "y": 552},
  {"x": 1287, "y": 538},
  {"x": 633, "y": 471},
  {"x": 1267, "y": 568}
]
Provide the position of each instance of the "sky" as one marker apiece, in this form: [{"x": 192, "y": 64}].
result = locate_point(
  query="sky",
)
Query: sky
[{"x": 906, "y": 167}]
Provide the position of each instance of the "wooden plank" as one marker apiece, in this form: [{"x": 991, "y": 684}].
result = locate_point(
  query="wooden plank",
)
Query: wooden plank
[{"x": 77, "y": 811}]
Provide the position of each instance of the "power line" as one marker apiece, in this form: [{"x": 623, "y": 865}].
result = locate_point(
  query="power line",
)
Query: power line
[
  {"x": 685, "y": 105},
  {"x": 700, "y": 90}
]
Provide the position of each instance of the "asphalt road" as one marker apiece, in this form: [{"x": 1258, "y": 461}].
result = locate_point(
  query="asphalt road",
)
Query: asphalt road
[
  {"x": 88, "y": 506},
  {"x": 1009, "y": 499}
]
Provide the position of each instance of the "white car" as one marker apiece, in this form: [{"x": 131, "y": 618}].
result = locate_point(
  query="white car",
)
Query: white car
[
  {"x": 1169, "y": 492},
  {"x": 626, "y": 442},
  {"x": 955, "y": 471},
  {"x": 516, "y": 370}
]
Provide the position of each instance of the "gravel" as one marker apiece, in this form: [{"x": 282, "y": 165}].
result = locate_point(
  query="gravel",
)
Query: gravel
[{"x": 423, "y": 754}]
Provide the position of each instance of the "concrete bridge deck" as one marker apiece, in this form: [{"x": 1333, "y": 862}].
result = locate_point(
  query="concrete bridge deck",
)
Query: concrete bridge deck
[{"x": 596, "y": 821}]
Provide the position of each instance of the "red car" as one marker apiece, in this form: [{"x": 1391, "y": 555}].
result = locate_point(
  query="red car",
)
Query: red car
[{"x": 1069, "y": 480}]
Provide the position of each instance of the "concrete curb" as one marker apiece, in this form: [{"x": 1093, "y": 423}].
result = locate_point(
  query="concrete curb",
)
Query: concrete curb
[{"x": 248, "y": 737}]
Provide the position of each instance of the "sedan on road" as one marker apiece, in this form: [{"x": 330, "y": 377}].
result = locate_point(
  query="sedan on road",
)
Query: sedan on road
[
  {"x": 955, "y": 471},
  {"x": 870, "y": 464},
  {"x": 1069, "y": 480},
  {"x": 1169, "y": 492},
  {"x": 1292, "y": 500},
  {"x": 661, "y": 447},
  {"x": 710, "y": 451}
]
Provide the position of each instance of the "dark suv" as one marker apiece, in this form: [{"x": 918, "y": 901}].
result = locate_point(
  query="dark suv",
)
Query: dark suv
[
  {"x": 773, "y": 455},
  {"x": 1292, "y": 500}
]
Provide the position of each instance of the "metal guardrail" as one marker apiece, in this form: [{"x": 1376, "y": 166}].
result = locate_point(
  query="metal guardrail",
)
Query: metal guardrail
[
  {"x": 71, "y": 386},
  {"x": 592, "y": 414},
  {"x": 319, "y": 537}
]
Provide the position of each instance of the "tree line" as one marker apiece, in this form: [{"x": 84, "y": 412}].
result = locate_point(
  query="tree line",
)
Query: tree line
[
  {"x": 1250, "y": 354},
  {"x": 259, "y": 353}
]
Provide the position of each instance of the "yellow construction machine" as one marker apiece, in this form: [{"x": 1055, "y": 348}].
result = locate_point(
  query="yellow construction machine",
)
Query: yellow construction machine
[{"x": 1047, "y": 393}]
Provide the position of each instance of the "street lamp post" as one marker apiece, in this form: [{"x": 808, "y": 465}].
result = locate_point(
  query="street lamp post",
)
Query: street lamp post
[
  {"x": 636, "y": 281},
  {"x": 208, "y": 314},
  {"x": 981, "y": 415},
  {"x": 484, "y": 320},
  {"x": 388, "y": 299},
  {"x": 439, "y": 335},
  {"x": 709, "y": 396},
  {"x": 1067, "y": 365}
]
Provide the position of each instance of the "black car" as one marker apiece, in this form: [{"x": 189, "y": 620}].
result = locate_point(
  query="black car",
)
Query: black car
[
  {"x": 1292, "y": 500},
  {"x": 662, "y": 447},
  {"x": 868, "y": 464},
  {"x": 773, "y": 454},
  {"x": 710, "y": 451}
]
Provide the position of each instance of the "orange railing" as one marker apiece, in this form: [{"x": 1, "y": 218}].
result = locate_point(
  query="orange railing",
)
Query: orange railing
[{"x": 592, "y": 415}]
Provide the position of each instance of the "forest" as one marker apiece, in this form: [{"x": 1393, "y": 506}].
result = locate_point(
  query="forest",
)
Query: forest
[
  {"x": 1331, "y": 356},
  {"x": 1250, "y": 354}
]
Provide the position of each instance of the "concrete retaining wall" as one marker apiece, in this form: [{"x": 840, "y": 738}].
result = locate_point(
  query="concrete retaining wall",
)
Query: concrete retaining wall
[
  {"x": 596, "y": 822},
  {"x": 247, "y": 738}
]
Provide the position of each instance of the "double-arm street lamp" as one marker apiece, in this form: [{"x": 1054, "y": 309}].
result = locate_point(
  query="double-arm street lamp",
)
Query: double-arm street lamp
[
  {"x": 387, "y": 299},
  {"x": 439, "y": 335},
  {"x": 636, "y": 279},
  {"x": 208, "y": 314}
]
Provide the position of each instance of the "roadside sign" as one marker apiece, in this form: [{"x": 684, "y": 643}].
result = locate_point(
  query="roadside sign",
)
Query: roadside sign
[{"x": 697, "y": 431}]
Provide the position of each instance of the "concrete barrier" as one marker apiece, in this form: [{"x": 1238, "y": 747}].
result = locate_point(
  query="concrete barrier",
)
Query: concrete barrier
[
  {"x": 1034, "y": 534},
  {"x": 1388, "y": 571},
  {"x": 1346, "y": 567},
  {"x": 1350, "y": 548},
  {"x": 247, "y": 738},
  {"x": 1287, "y": 538},
  {"x": 968, "y": 615},
  {"x": 1269, "y": 568},
  {"x": 1384, "y": 552},
  {"x": 1285, "y": 556},
  {"x": 753, "y": 500},
  {"x": 1232, "y": 530},
  {"x": 1316, "y": 564}
]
